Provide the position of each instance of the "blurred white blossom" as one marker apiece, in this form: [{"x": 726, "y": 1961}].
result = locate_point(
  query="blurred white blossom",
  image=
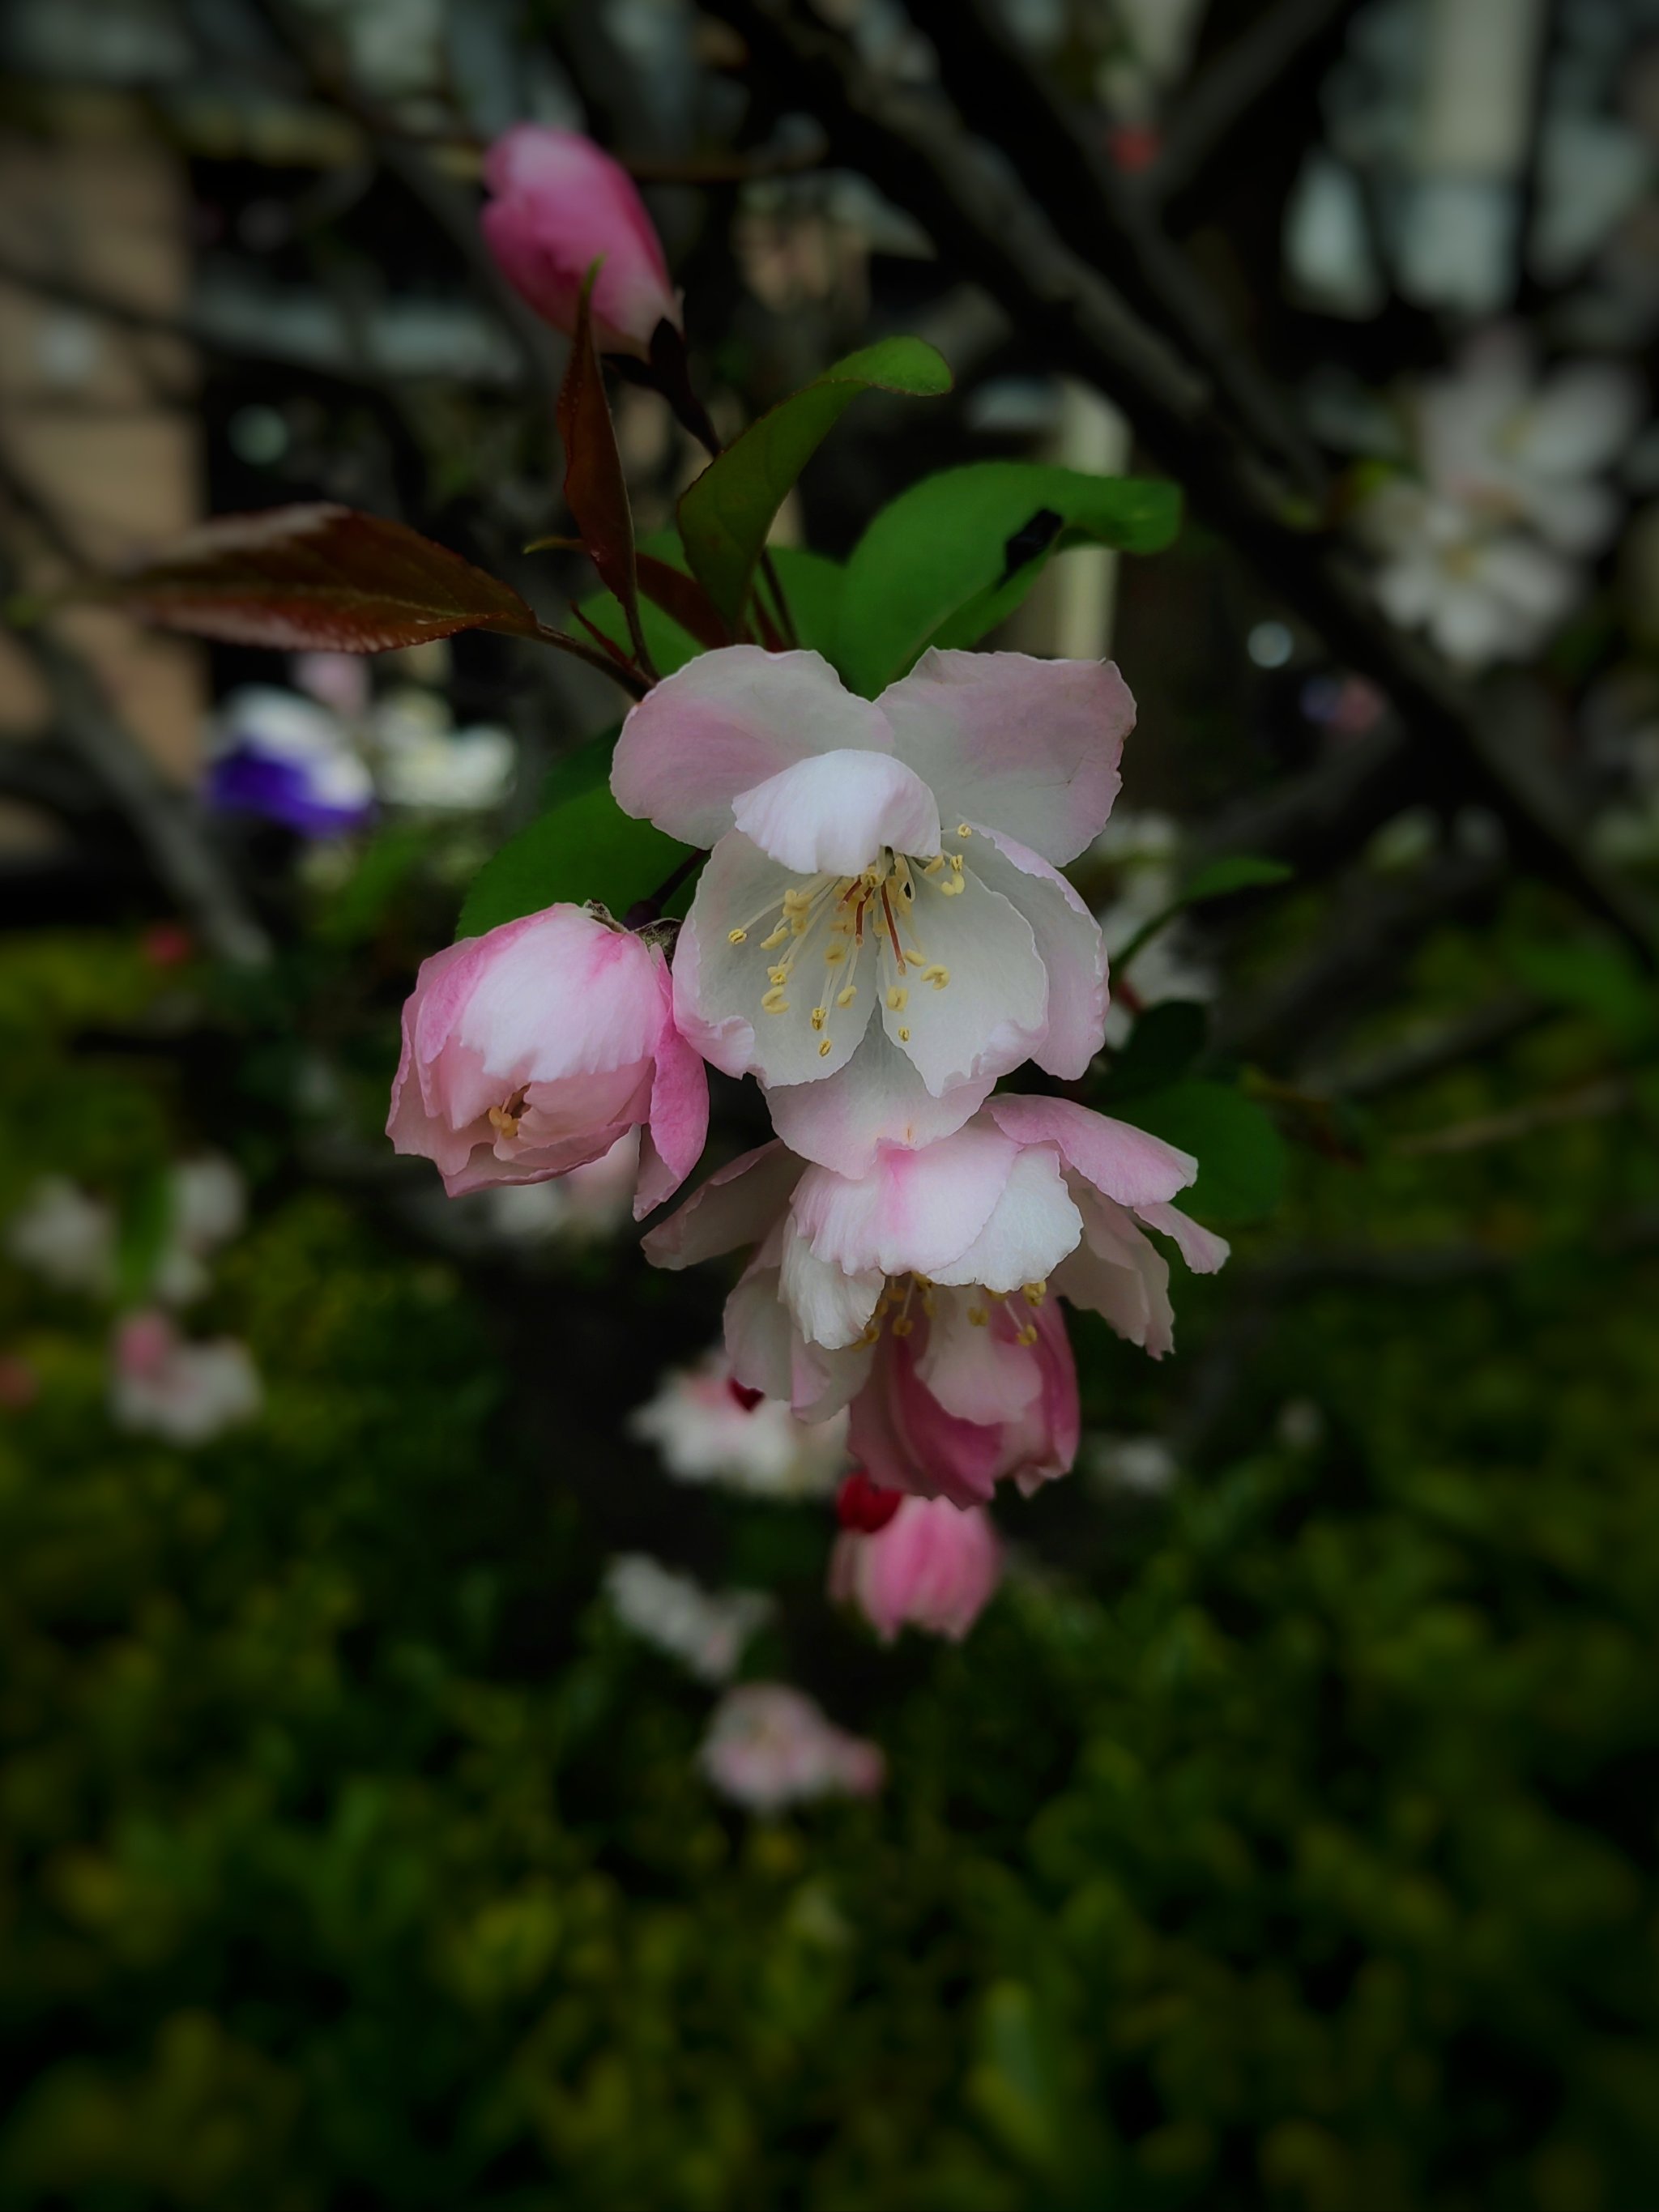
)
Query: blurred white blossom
[
  {"x": 708, "y": 1428},
  {"x": 705, "y": 1631}
]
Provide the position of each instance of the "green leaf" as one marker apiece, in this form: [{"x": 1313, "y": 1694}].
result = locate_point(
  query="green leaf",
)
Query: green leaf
[
  {"x": 1163, "y": 1045},
  {"x": 582, "y": 847},
  {"x": 954, "y": 556},
  {"x": 1240, "y": 1155},
  {"x": 1242, "y": 872},
  {"x": 812, "y": 584},
  {"x": 1593, "y": 978},
  {"x": 725, "y": 514}
]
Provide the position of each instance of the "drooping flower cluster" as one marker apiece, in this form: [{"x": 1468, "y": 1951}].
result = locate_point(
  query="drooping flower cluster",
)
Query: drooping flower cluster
[{"x": 879, "y": 934}]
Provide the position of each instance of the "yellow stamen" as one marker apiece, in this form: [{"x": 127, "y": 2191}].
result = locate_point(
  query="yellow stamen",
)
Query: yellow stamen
[
  {"x": 826, "y": 1049},
  {"x": 774, "y": 1003},
  {"x": 936, "y": 974},
  {"x": 897, "y": 999},
  {"x": 820, "y": 1016},
  {"x": 737, "y": 936},
  {"x": 977, "y": 1317},
  {"x": 1028, "y": 1335},
  {"x": 1035, "y": 1293},
  {"x": 904, "y": 1036},
  {"x": 846, "y": 998},
  {"x": 962, "y": 830}
]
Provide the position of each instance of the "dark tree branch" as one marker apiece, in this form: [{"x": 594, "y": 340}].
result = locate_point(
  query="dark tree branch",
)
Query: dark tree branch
[
  {"x": 982, "y": 220},
  {"x": 1232, "y": 85},
  {"x": 1103, "y": 221}
]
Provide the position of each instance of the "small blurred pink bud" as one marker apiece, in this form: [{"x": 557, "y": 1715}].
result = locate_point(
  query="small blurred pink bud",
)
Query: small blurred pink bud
[
  {"x": 769, "y": 1745},
  {"x": 560, "y": 204},
  {"x": 20, "y": 1386},
  {"x": 529, "y": 1051},
  {"x": 166, "y": 944},
  {"x": 933, "y": 1565}
]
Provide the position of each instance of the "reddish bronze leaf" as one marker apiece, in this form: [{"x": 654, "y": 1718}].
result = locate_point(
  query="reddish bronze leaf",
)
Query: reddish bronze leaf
[
  {"x": 594, "y": 489},
  {"x": 316, "y": 576},
  {"x": 684, "y": 598}
]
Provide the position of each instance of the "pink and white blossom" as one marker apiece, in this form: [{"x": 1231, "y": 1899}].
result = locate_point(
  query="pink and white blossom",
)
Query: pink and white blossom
[
  {"x": 899, "y": 858},
  {"x": 920, "y": 1294},
  {"x": 163, "y": 1385},
  {"x": 933, "y": 1566},
  {"x": 709, "y": 1427},
  {"x": 1484, "y": 545},
  {"x": 770, "y": 1746},
  {"x": 705, "y": 1630},
  {"x": 560, "y": 203},
  {"x": 531, "y": 1050}
]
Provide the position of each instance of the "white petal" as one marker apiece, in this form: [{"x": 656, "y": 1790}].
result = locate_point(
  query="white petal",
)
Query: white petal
[
  {"x": 985, "y": 1019},
  {"x": 829, "y": 1308},
  {"x": 1068, "y": 943},
  {"x": 833, "y": 814},
  {"x": 1033, "y": 1225},
  {"x": 719, "y": 987}
]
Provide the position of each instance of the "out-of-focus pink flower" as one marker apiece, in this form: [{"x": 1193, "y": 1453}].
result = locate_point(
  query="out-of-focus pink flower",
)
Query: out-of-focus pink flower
[
  {"x": 531, "y": 1050},
  {"x": 709, "y": 1427},
  {"x": 162, "y": 1385},
  {"x": 933, "y": 1567},
  {"x": 560, "y": 204},
  {"x": 20, "y": 1386},
  {"x": 769, "y": 1746},
  {"x": 168, "y": 944},
  {"x": 921, "y": 1294},
  {"x": 882, "y": 929}
]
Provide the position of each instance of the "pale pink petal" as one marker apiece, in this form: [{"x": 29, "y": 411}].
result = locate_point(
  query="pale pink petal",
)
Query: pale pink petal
[
  {"x": 737, "y": 1205},
  {"x": 1033, "y": 1225},
  {"x": 720, "y": 987},
  {"x": 976, "y": 1373},
  {"x": 1127, "y": 1163},
  {"x": 1117, "y": 1273},
  {"x": 974, "y": 1000},
  {"x": 725, "y": 722},
  {"x": 915, "y": 1212},
  {"x": 678, "y": 1124},
  {"x": 1029, "y": 746},
  {"x": 876, "y": 1098},
  {"x": 904, "y": 1439},
  {"x": 831, "y": 814},
  {"x": 1068, "y": 943},
  {"x": 1200, "y": 1247},
  {"x": 933, "y": 1567}
]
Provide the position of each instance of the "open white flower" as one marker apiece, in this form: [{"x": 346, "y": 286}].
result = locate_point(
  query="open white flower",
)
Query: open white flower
[
  {"x": 162, "y": 1385},
  {"x": 899, "y": 857},
  {"x": 66, "y": 1236}
]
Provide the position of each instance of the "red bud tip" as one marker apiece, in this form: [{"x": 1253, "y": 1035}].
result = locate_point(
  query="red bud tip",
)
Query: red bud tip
[
  {"x": 861, "y": 1506},
  {"x": 166, "y": 944},
  {"x": 746, "y": 1398}
]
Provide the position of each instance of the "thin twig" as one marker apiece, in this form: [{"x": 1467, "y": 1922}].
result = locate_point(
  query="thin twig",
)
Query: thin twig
[
  {"x": 1234, "y": 83},
  {"x": 1590, "y": 1101}
]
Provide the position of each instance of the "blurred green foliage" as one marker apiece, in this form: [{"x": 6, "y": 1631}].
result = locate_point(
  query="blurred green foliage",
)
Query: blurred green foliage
[{"x": 1295, "y": 1850}]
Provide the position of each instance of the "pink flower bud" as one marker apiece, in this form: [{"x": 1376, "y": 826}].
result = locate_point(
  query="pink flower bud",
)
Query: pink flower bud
[
  {"x": 861, "y": 1506},
  {"x": 934, "y": 1565},
  {"x": 531, "y": 1050},
  {"x": 560, "y": 204}
]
